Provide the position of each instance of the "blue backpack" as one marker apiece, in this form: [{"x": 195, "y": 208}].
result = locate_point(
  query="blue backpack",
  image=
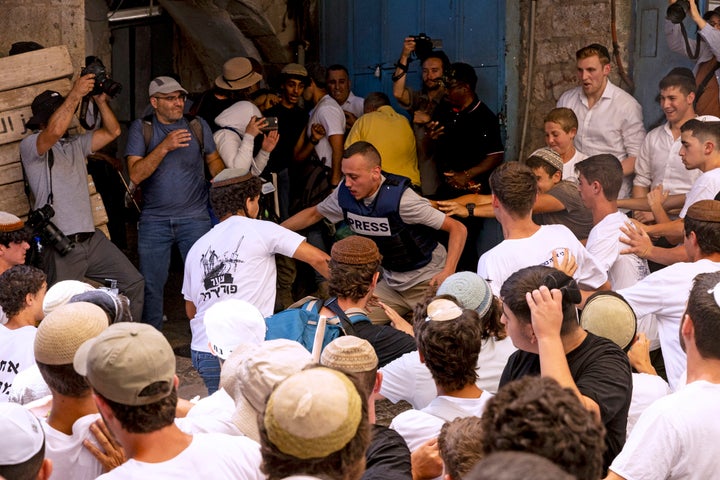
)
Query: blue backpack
[{"x": 300, "y": 324}]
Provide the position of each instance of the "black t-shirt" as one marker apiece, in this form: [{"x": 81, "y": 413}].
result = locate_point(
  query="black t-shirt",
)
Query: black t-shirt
[
  {"x": 470, "y": 135},
  {"x": 601, "y": 371},
  {"x": 291, "y": 122},
  {"x": 209, "y": 107},
  {"x": 389, "y": 342},
  {"x": 387, "y": 457}
]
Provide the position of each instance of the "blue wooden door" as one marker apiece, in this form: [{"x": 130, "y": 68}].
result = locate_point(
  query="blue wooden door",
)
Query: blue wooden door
[
  {"x": 367, "y": 37},
  {"x": 653, "y": 58}
]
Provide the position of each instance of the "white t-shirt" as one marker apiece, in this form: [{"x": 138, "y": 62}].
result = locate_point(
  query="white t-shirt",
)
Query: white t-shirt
[
  {"x": 613, "y": 125},
  {"x": 407, "y": 378},
  {"x": 327, "y": 113},
  {"x": 497, "y": 264},
  {"x": 604, "y": 245},
  {"x": 664, "y": 293},
  {"x": 675, "y": 438},
  {"x": 646, "y": 389},
  {"x": 212, "y": 414},
  {"x": 418, "y": 426},
  {"x": 659, "y": 163},
  {"x": 69, "y": 457},
  {"x": 237, "y": 150},
  {"x": 705, "y": 188},
  {"x": 569, "y": 172},
  {"x": 235, "y": 260},
  {"x": 16, "y": 354},
  {"x": 209, "y": 455}
]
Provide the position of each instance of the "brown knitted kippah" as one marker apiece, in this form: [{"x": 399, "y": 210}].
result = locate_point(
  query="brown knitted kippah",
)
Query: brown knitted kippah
[
  {"x": 355, "y": 250},
  {"x": 10, "y": 223},
  {"x": 704, "y": 211}
]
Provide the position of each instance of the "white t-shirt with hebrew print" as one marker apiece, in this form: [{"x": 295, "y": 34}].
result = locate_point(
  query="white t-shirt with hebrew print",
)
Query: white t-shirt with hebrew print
[{"x": 16, "y": 354}]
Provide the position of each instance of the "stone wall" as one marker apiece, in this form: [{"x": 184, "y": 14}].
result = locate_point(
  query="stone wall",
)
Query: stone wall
[
  {"x": 49, "y": 23},
  {"x": 561, "y": 28}
]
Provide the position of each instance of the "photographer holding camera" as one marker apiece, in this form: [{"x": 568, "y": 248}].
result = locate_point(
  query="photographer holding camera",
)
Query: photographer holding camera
[
  {"x": 706, "y": 53},
  {"x": 421, "y": 104},
  {"x": 56, "y": 170}
]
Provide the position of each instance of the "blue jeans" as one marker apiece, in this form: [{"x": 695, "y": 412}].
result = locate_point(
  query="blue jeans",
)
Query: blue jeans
[
  {"x": 208, "y": 366},
  {"x": 155, "y": 241}
]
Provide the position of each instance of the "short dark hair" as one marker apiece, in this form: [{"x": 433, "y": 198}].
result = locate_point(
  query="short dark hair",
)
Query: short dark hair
[
  {"x": 440, "y": 55},
  {"x": 605, "y": 169},
  {"x": 460, "y": 445},
  {"x": 463, "y": 73},
  {"x": 515, "y": 186},
  {"x": 703, "y": 131},
  {"x": 350, "y": 281},
  {"x": 450, "y": 348},
  {"x": 537, "y": 415},
  {"x": 375, "y": 100},
  {"x": 347, "y": 463},
  {"x": 26, "y": 470},
  {"x": 145, "y": 418},
  {"x": 337, "y": 67},
  {"x": 706, "y": 233},
  {"x": 537, "y": 162},
  {"x": 517, "y": 466},
  {"x": 229, "y": 199},
  {"x": 15, "y": 283},
  {"x": 366, "y": 149},
  {"x": 318, "y": 74},
  {"x": 594, "y": 49},
  {"x": 526, "y": 280},
  {"x": 705, "y": 314},
  {"x": 64, "y": 380},
  {"x": 683, "y": 79},
  {"x": 17, "y": 236}
]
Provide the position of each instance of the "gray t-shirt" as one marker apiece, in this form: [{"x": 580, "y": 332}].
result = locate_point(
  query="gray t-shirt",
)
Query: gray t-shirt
[
  {"x": 576, "y": 216},
  {"x": 414, "y": 209},
  {"x": 71, "y": 198}
]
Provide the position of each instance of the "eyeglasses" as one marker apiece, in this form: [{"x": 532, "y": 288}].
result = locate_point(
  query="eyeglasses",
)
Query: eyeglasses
[{"x": 182, "y": 97}]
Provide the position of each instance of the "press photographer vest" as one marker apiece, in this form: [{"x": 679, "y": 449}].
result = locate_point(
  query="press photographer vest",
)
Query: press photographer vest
[{"x": 404, "y": 247}]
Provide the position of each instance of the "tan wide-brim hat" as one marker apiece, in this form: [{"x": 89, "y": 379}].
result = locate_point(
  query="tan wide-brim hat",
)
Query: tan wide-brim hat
[{"x": 237, "y": 74}]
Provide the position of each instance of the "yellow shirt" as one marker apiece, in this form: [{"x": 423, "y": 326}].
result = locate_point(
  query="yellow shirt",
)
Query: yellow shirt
[{"x": 393, "y": 137}]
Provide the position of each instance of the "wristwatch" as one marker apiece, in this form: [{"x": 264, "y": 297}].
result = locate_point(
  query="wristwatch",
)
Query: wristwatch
[{"x": 471, "y": 209}]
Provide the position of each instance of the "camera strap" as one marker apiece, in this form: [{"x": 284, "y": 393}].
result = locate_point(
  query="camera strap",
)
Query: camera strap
[
  {"x": 26, "y": 184},
  {"x": 690, "y": 54}
]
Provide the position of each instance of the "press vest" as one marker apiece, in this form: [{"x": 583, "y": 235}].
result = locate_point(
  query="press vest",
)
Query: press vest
[{"x": 404, "y": 247}]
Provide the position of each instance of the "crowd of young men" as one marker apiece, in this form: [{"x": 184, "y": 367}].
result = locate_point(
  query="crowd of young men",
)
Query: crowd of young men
[{"x": 538, "y": 236}]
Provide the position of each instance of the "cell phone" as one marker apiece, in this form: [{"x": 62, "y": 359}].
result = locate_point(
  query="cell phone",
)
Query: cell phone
[{"x": 272, "y": 124}]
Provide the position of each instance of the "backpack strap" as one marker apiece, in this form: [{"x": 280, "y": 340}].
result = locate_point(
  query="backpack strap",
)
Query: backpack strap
[
  {"x": 197, "y": 130},
  {"x": 147, "y": 131},
  {"x": 232, "y": 129},
  {"x": 347, "y": 325}
]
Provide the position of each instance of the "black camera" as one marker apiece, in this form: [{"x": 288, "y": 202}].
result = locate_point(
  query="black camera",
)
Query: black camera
[
  {"x": 40, "y": 222},
  {"x": 103, "y": 83},
  {"x": 423, "y": 45},
  {"x": 677, "y": 11}
]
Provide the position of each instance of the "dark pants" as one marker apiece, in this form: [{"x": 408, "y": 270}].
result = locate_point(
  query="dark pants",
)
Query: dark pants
[{"x": 97, "y": 259}]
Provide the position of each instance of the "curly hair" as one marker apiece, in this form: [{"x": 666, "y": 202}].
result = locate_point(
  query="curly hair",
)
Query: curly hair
[
  {"x": 229, "y": 199},
  {"x": 450, "y": 348},
  {"x": 15, "y": 284},
  {"x": 350, "y": 281},
  {"x": 460, "y": 445},
  {"x": 145, "y": 418},
  {"x": 346, "y": 464},
  {"x": 64, "y": 380},
  {"x": 537, "y": 415},
  {"x": 515, "y": 466},
  {"x": 515, "y": 186}
]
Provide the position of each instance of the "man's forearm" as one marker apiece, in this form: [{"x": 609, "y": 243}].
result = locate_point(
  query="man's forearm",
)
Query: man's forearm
[
  {"x": 302, "y": 219},
  {"x": 141, "y": 168}
]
